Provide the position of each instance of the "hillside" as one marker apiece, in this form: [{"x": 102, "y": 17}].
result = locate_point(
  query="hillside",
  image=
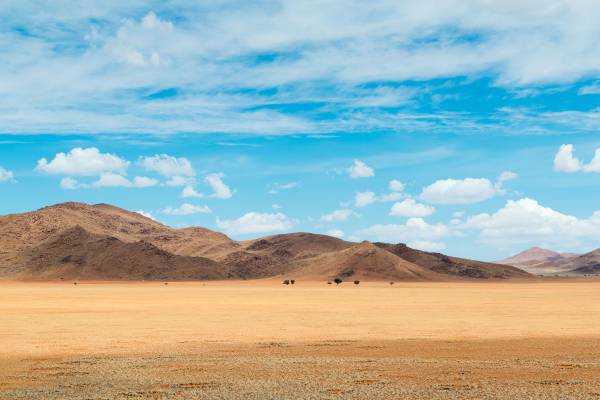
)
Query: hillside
[
  {"x": 540, "y": 261},
  {"x": 453, "y": 266},
  {"x": 585, "y": 264},
  {"x": 78, "y": 254},
  {"x": 81, "y": 241}
]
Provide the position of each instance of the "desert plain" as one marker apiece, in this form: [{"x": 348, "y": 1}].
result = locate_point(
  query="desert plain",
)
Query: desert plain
[{"x": 264, "y": 340}]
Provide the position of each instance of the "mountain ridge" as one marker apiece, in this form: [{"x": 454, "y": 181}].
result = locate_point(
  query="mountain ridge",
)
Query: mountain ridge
[{"x": 102, "y": 241}]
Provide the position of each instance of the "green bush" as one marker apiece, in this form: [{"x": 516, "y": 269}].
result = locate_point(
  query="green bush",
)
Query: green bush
[
  {"x": 292, "y": 281},
  {"x": 356, "y": 282},
  {"x": 286, "y": 282}
]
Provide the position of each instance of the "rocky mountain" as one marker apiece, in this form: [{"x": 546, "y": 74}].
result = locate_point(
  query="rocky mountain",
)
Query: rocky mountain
[
  {"x": 103, "y": 242},
  {"x": 585, "y": 264},
  {"x": 541, "y": 261}
]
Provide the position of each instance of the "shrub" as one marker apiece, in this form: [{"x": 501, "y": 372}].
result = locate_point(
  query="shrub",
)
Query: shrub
[
  {"x": 292, "y": 281},
  {"x": 391, "y": 283},
  {"x": 338, "y": 280},
  {"x": 286, "y": 282},
  {"x": 356, "y": 282},
  {"x": 329, "y": 283}
]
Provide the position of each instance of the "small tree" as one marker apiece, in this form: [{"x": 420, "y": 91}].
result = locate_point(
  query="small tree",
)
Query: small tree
[
  {"x": 356, "y": 282},
  {"x": 391, "y": 283},
  {"x": 286, "y": 282},
  {"x": 338, "y": 280},
  {"x": 292, "y": 281}
]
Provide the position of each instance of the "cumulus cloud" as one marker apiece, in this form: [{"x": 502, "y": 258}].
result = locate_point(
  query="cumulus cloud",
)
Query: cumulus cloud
[
  {"x": 187, "y": 209},
  {"x": 396, "y": 186},
  {"x": 410, "y": 208},
  {"x": 179, "y": 170},
  {"x": 220, "y": 189},
  {"x": 414, "y": 229},
  {"x": 360, "y": 170},
  {"x": 82, "y": 162},
  {"x": 255, "y": 222},
  {"x": 190, "y": 191},
  {"x": 5, "y": 175},
  {"x": 338, "y": 215},
  {"x": 525, "y": 221},
  {"x": 459, "y": 191},
  {"x": 565, "y": 161},
  {"x": 363, "y": 199},
  {"x": 115, "y": 180},
  {"x": 68, "y": 183}
]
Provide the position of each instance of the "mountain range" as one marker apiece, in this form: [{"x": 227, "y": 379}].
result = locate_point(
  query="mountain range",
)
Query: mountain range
[
  {"x": 541, "y": 261},
  {"x": 103, "y": 242}
]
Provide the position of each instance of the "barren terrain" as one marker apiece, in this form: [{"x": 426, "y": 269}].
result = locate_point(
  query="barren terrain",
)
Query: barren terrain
[{"x": 265, "y": 340}]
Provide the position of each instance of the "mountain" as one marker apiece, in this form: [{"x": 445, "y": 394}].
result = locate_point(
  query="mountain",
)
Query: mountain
[
  {"x": 362, "y": 261},
  {"x": 78, "y": 254},
  {"x": 539, "y": 261},
  {"x": 585, "y": 264},
  {"x": 453, "y": 266},
  {"x": 81, "y": 241}
]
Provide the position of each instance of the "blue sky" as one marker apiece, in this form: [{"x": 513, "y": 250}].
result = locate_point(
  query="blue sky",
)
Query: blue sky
[{"x": 464, "y": 127}]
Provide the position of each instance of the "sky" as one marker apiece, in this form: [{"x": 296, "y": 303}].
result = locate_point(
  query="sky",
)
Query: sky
[{"x": 466, "y": 127}]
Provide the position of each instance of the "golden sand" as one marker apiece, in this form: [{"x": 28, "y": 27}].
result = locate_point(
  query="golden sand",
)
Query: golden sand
[{"x": 399, "y": 339}]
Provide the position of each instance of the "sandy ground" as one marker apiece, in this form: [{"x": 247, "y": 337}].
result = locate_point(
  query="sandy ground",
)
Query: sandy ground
[{"x": 264, "y": 340}]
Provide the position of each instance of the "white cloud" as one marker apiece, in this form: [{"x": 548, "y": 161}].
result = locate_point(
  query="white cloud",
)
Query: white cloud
[
  {"x": 189, "y": 191},
  {"x": 393, "y": 196},
  {"x": 565, "y": 161},
  {"x": 115, "y": 180},
  {"x": 507, "y": 176},
  {"x": 410, "y": 208},
  {"x": 360, "y": 170},
  {"x": 187, "y": 209},
  {"x": 338, "y": 215},
  {"x": 463, "y": 191},
  {"x": 68, "y": 183},
  {"x": 338, "y": 233},
  {"x": 276, "y": 187},
  {"x": 179, "y": 181},
  {"x": 275, "y": 206},
  {"x": 590, "y": 89},
  {"x": 363, "y": 199},
  {"x": 396, "y": 186},
  {"x": 220, "y": 189},
  {"x": 147, "y": 215},
  {"x": 255, "y": 222},
  {"x": 168, "y": 166},
  {"x": 414, "y": 229},
  {"x": 5, "y": 175},
  {"x": 427, "y": 245},
  {"x": 82, "y": 162},
  {"x": 513, "y": 43},
  {"x": 526, "y": 221}
]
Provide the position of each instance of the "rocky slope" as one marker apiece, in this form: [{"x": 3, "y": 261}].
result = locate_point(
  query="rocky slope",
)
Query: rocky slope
[{"x": 81, "y": 241}]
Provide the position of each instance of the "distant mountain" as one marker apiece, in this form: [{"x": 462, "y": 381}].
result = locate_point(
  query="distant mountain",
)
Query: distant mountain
[
  {"x": 103, "y": 242},
  {"x": 585, "y": 264},
  {"x": 538, "y": 260}
]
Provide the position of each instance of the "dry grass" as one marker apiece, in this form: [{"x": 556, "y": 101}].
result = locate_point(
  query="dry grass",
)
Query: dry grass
[{"x": 311, "y": 340}]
